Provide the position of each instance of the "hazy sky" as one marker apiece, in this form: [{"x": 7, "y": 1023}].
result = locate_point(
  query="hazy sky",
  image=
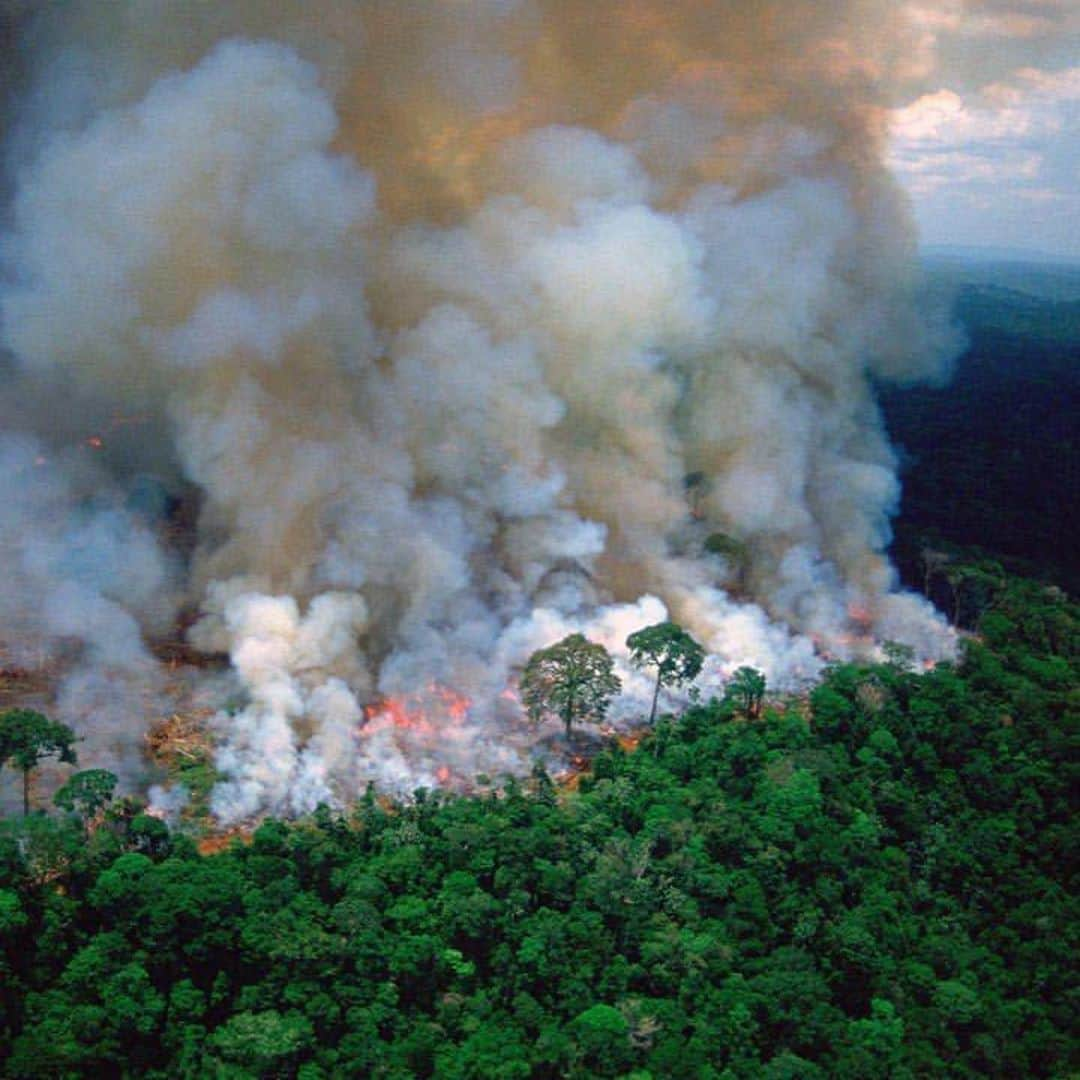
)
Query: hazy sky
[
  {"x": 990, "y": 149},
  {"x": 985, "y": 135}
]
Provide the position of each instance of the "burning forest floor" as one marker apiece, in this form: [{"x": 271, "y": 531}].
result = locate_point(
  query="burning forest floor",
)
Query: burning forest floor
[
  {"x": 156, "y": 727},
  {"x": 178, "y": 743},
  {"x": 177, "y": 748}
]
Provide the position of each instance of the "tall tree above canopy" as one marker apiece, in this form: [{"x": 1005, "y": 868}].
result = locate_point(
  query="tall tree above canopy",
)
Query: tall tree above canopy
[
  {"x": 87, "y": 792},
  {"x": 747, "y": 689},
  {"x": 26, "y": 737},
  {"x": 667, "y": 647},
  {"x": 573, "y": 679}
]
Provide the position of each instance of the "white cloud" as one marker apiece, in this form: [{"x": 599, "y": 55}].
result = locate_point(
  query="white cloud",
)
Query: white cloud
[
  {"x": 981, "y": 19},
  {"x": 1034, "y": 104},
  {"x": 938, "y": 170},
  {"x": 1008, "y": 150}
]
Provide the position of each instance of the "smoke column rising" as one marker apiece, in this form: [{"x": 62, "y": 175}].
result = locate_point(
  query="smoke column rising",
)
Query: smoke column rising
[{"x": 437, "y": 305}]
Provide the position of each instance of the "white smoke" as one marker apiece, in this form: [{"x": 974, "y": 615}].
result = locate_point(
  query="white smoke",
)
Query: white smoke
[
  {"x": 439, "y": 384},
  {"x": 84, "y": 580}
]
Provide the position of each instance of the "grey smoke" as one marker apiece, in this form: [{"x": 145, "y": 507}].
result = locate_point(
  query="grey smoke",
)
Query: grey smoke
[{"x": 437, "y": 329}]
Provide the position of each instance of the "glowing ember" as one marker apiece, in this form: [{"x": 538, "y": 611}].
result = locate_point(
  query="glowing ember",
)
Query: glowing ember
[
  {"x": 861, "y": 618},
  {"x": 95, "y": 442},
  {"x": 432, "y": 725},
  {"x": 456, "y": 705},
  {"x": 217, "y": 843},
  {"x": 435, "y": 712},
  {"x": 396, "y": 712}
]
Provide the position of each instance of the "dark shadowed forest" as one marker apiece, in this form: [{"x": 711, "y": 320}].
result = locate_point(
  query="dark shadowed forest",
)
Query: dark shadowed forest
[{"x": 992, "y": 459}]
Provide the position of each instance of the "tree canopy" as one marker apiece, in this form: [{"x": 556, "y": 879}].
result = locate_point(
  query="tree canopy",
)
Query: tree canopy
[
  {"x": 668, "y": 648},
  {"x": 746, "y": 688},
  {"x": 27, "y": 736},
  {"x": 574, "y": 679},
  {"x": 86, "y": 792}
]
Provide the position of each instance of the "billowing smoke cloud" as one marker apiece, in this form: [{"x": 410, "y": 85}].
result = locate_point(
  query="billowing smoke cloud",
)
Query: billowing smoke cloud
[
  {"x": 85, "y": 579},
  {"x": 470, "y": 324}
]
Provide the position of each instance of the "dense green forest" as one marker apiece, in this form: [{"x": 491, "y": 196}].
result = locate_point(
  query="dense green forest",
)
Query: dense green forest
[{"x": 873, "y": 881}]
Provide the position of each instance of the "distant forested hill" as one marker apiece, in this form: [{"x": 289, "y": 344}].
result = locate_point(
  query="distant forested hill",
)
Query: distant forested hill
[{"x": 991, "y": 458}]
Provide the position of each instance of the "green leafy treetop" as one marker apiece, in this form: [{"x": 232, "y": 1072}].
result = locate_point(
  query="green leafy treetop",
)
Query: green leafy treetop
[
  {"x": 667, "y": 647},
  {"x": 573, "y": 679},
  {"x": 26, "y": 737},
  {"x": 86, "y": 793},
  {"x": 747, "y": 689}
]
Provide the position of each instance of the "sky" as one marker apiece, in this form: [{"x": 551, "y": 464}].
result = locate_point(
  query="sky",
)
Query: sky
[{"x": 988, "y": 148}]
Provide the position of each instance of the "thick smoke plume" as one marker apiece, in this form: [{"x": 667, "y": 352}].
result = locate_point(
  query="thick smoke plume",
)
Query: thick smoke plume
[{"x": 469, "y": 324}]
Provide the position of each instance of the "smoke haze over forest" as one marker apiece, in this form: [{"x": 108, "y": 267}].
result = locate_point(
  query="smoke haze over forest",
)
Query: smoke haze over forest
[{"x": 453, "y": 329}]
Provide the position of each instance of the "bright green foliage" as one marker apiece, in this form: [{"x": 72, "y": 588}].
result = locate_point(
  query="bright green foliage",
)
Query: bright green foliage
[
  {"x": 746, "y": 688},
  {"x": 26, "y": 737},
  {"x": 603, "y": 1037},
  {"x": 12, "y": 916},
  {"x": 871, "y": 884},
  {"x": 667, "y": 647},
  {"x": 87, "y": 792},
  {"x": 262, "y": 1042},
  {"x": 573, "y": 679}
]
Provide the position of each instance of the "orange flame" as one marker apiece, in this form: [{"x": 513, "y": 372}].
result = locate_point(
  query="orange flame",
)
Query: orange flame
[
  {"x": 860, "y": 616},
  {"x": 392, "y": 710},
  {"x": 426, "y": 720},
  {"x": 435, "y": 712},
  {"x": 456, "y": 705}
]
